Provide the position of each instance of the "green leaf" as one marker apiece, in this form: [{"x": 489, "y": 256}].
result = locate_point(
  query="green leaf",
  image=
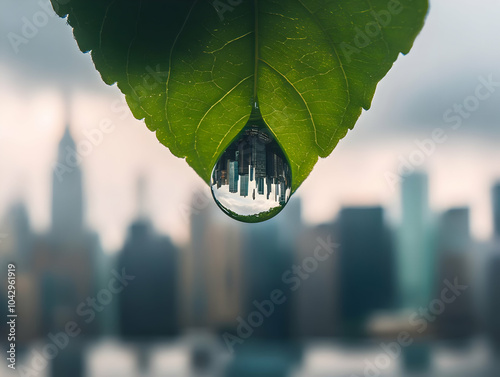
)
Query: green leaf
[{"x": 193, "y": 68}]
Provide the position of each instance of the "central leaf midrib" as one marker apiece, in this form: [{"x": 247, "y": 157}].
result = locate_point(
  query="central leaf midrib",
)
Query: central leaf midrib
[{"x": 256, "y": 51}]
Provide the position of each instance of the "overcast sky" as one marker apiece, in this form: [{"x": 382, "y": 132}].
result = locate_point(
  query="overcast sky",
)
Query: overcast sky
[{"x": 457, "y": 48}]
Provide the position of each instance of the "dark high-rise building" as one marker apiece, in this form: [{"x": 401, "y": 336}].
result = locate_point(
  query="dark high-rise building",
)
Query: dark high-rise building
[
  {"x": 280, "y": 165},
  {"x": 496, "y": 209},
  {"x": 269, "y": 184},
  {"x": 244, "y": 158},
  {"x": 194, "y": 262},
  {"x": 244, "y": 185},
  {"x": 455, "y": 267},
  {"x": 493, "y": 298},
  {"x": 316, "y": 302},
  {"x": 259, "y": 159},
  {"x": 148, "y": 305},
  {"x": 366, "y": 266},
  {"x": 211, "y": 270},
  {"x": 260, "y": 185},
  {"x": 265, "y": 261},
  {"x": 282, "y": 198},
  {"x": 272, "y": 165}
]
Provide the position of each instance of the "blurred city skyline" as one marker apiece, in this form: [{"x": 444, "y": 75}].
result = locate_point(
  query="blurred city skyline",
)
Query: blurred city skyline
[
  {"x": 349, "y": 287},
  {"x": 452, "y": 54}
]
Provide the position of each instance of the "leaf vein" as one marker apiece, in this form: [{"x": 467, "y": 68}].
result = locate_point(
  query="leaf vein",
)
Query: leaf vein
[{"x": 301, "y": 96}]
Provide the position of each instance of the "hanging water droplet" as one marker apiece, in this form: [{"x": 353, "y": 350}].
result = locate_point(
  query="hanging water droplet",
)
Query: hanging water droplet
[{"x": 252, "y": 180}]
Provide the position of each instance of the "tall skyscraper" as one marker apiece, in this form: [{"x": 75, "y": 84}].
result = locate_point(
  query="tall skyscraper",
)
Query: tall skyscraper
[
  {"x": 260, "y": 185},
  {"x": 244, "y": 185},
  {"x": 67, "y": 191},
  {"x": 316, "y": 301},
  {"x": 67, "y": 261},
  {"x": 269, "y": 186},
  {"x": 195, "y": 259},
  {"x": 496, "y": 209},
  {"x": 416, "y": 251},
  {"x": 212, "y": 269},
  {"x": 244, "y": 158},
  {"x": 265, "y": 260},
  {"x": 282, "y": 198},
  {"x": 367, "y": 281},
  {"x": 223, "y": 271},
  {"x": 259, "y": 162},
  {"x": 233, "y": 176},
  {"x": 455, "y": 265},
  {"x": 493, "y": 298},
  {"x": 492, "y": 282},
  {"x": 148, "y": 305}
]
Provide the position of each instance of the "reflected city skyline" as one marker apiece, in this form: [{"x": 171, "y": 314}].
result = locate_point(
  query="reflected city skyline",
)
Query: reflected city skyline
[{"x": 251, "y": 181}]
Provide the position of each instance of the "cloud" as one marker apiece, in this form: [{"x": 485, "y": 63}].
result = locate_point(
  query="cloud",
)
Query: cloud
[{"x": 40, "y": 47}]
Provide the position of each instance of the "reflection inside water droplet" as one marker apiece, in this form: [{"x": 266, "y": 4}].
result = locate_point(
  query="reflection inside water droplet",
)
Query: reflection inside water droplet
[{"x": 252, "y": 179}]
